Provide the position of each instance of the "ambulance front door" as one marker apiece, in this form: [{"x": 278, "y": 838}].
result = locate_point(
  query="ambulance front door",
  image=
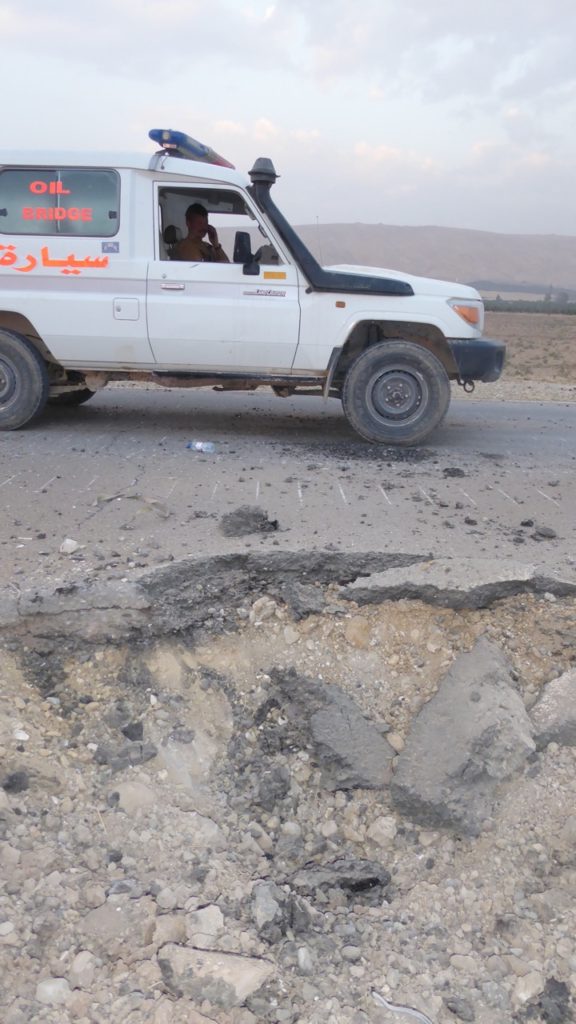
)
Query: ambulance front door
[{"x": 214, "y": 316}]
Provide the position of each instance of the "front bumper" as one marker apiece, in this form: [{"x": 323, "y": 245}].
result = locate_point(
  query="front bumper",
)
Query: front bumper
[{"x": 478, "y": 358}]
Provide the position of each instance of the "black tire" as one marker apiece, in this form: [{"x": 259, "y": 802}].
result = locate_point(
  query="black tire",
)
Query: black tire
[
  {"x": 71, "y": 399},
  {"x": 396, "y": 393},
  {"x": 23, "y": 381}
]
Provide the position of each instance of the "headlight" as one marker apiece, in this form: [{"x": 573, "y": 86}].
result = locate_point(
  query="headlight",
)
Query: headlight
[{"x": 471, "y": 312}]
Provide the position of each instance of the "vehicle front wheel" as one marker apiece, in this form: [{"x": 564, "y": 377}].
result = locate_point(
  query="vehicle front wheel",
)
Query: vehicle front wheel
[
  {"x": 23, "y": 381},
  {"x": 396, "y": 393}
]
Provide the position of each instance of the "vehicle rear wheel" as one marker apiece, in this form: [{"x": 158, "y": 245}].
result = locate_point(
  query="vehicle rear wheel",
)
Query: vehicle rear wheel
[
  {"x": 23, "y": 381},
  {"x": 396, "y": 393},
  {"x": 71, "y": 398}
]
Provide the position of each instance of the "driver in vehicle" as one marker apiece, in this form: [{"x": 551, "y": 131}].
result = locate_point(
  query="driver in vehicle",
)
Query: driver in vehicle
[{"x": 193, "y": 248}]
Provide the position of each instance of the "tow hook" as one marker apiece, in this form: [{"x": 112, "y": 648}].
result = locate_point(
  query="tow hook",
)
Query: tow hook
[{"x": 468, "y": 385}]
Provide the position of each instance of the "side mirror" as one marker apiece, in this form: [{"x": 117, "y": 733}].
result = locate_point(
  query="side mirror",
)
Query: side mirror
[
  {"x": 251, "y": 267},
  {"x": 242, "y": 247},
  {"x": 243, "y": 254}
]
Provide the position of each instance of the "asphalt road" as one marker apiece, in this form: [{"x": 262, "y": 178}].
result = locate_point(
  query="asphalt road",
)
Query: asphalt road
[{"x": 116, "y": 477}]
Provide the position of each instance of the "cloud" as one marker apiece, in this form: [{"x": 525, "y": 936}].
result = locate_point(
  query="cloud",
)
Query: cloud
[
  {"x": 305, "y": 135},
  {"x": 265, "y": 129},
  {"x": 504, "y": 164},
  {"x": 444, "y": 49},
  {"x": 254, "y": 131},
  {"x": 379, "y": 155},
  {"x": 136, "y": 38},
  {"x": 487, "y": 54},
  {"x": 522, "y": 127},
  {"x": 257, "y": 14},
  {"x": 228, "y": 128}
]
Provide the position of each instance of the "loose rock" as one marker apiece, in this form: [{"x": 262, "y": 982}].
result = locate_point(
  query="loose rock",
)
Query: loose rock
[
  {"x": 554, "y": 715},
  {"x": 53, "y": 992},
  {"x": 221, "y": 979}
]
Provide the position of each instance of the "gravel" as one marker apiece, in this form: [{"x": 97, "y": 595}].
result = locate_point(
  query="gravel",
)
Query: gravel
[{"x": 232, "y": 874}]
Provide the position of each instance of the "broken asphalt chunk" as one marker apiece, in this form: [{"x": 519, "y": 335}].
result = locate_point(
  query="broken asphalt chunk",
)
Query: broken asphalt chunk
[
  {"x": 454, "y": 583},
  {"x": 472, "y": 735}
]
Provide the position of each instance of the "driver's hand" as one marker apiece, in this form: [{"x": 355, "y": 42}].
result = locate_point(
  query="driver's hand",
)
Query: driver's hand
[{"x": 212, "y": 235}]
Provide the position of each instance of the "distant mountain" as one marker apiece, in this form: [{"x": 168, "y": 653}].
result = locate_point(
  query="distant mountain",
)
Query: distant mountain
[{"x": 534, "y": 262}]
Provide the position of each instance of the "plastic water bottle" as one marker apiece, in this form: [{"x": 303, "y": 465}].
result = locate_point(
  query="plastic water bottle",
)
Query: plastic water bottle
[{"x": 202, "y": 446}]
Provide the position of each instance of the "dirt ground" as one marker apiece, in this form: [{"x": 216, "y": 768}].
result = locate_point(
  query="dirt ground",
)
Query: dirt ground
[{"x": 540, "y": 346}]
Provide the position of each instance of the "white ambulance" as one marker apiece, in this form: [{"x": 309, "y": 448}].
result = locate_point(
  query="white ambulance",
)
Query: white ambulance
[{"x": 93, "y": 289}]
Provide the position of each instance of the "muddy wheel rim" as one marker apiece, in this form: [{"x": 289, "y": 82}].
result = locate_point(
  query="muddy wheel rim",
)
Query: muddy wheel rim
[
  {"x": 7, "y": 382},
  {"x": 397, "y": 393}
]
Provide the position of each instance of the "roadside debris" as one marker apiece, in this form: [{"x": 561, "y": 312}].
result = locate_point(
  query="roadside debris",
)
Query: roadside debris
[
  {"x": 206, "y": 447},
  {"x": 69, "y": 546},
  {"x": 409, "y": 1011},
  {"x": 154, "y": 504},
  {"x": 247, "y": 519}
]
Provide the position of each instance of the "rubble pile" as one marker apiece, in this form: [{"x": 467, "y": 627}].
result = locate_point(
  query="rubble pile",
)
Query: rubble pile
[{"x": 266, "y": 823}]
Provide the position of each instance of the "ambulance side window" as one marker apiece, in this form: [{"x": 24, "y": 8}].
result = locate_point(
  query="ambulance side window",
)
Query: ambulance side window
[
  {"x": 227, "y": 212},
  {"x": 59, "y": 201}
]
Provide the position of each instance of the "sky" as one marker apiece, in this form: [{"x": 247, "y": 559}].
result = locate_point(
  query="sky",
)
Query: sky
[{"x": 415, "y": 112}]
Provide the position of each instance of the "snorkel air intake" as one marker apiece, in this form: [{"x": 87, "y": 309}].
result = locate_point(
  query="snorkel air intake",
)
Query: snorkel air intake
[{"x": 263, "y": 175}]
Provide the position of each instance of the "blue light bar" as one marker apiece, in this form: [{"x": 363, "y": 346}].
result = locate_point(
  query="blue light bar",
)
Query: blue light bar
[{"x": 182, "y": 145}]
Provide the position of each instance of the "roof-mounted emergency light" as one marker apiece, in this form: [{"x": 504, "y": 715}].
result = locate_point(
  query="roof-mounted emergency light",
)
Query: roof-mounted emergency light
[{"x": 182, "y": 145}]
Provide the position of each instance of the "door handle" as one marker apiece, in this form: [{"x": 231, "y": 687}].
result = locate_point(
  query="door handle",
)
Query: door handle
[{"x": 172, "y": 286}]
